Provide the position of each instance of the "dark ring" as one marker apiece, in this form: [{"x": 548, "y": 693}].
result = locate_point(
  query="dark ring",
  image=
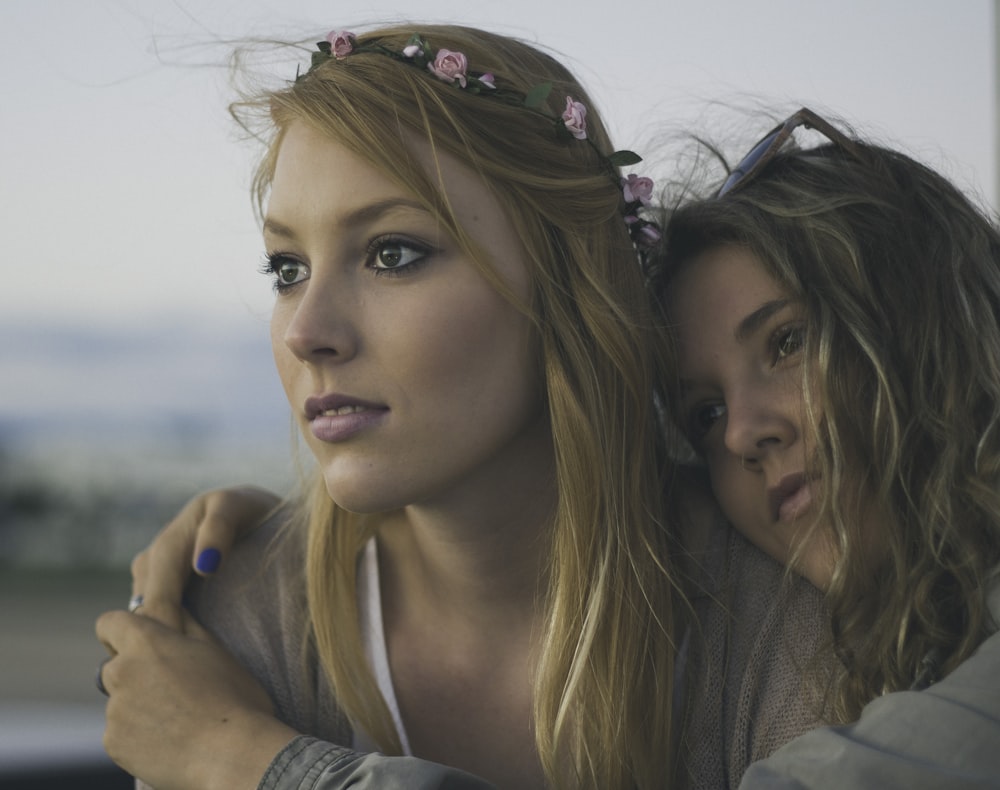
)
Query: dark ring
[{"x": 100, "y": 681}]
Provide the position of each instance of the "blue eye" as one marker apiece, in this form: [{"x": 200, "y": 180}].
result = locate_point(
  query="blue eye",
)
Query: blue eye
[{"x": 285, "y": 271}]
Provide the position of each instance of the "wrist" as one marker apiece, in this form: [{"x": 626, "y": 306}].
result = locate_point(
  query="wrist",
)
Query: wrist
[{"x": 244, "y": 750}]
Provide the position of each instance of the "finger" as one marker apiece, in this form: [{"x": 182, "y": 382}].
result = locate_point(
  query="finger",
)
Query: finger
[
  {"x": 100, "y": 679},
  {"x": 161, "y": 571},
  {"x": 112, "y": 629},
  {"x": 216, "y": 533},
  {"x": 139, "y": 570},
  {"x": 127, "y": 638},
  {"x": 227, "y": 515},
  {"x": 199, "y": 536}
]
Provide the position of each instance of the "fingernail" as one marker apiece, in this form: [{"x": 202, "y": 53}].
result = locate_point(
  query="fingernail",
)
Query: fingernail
[{"x": 208, "y": 560}]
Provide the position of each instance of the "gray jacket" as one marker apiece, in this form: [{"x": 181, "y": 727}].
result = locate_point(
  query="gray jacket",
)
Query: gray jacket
[{"x": 744, "y": 706}]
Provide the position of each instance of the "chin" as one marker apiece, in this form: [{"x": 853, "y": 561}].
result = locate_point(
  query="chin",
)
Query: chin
[{"x": 363, "y": 494}]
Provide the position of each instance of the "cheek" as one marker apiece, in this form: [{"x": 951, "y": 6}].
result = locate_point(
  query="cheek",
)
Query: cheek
[
  {"x": 481, "y": 351},
  {"x": 734, "y": 490},
  {"x": 284, "y": 360}
]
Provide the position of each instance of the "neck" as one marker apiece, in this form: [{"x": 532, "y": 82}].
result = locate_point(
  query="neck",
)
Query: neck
[
  {"x": 479, "y": 554},
  {"x": 469, "y": 564}
]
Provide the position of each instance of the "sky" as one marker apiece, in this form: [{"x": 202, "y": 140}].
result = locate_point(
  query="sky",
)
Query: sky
[
  {"x": 124, "y": 188},
  {"x": 124, "y": 184}
]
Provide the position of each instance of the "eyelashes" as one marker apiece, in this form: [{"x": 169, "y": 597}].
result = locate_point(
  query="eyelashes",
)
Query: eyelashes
[
  {"x": 384, "y": 256},
  {"x": 701, "y": 419},
  {"x": 786, "y": 341},
  {"x": 393, "y": 255},
  {"x": 284, "y": 271},
  {"x": 780, "y": 352}
]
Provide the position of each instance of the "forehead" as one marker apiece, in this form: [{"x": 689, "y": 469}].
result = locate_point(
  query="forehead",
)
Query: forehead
[
  {"x": 319, "y": 183},
  {"x": 718, "y": 284},
  {"x": 314, "y": 170},
  {"x": 717, "y": 301}
]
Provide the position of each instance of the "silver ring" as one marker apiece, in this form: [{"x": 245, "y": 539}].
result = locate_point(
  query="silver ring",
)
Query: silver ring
[
  {"x": 100, "y": 681},
  {"x": 135, "y": 602}
]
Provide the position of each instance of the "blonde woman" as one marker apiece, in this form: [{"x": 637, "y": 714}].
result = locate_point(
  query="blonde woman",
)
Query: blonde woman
[{"x": 462, "y": 329}]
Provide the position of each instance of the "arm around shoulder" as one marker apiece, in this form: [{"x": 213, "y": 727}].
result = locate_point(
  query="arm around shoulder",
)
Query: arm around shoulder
[
  {"x": 310, "y": 764},
  {"x": 945, "y": 736}
]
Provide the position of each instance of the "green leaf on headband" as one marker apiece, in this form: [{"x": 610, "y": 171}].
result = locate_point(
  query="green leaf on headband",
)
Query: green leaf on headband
[
  {"x": 538, "y": 94},
  {"x": 622, "y": 158}
]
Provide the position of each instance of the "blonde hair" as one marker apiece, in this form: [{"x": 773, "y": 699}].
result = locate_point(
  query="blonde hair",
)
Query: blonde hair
[
  {"x": 899, "y": 275},
  {"x": 604, "y": 689}
]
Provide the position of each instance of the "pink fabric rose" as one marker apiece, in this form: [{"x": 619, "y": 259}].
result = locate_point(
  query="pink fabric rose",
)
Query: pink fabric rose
[
  {"x": 650, "y": 235},
  {"x": 643, "y": 233},
  {"x": 637, "y": 188},
  {"x": 575, "y": 118},
  {"x": 449, "y": 66},
  {"x": 341, "y": 43},
  {"x": 487, "y": 80}
]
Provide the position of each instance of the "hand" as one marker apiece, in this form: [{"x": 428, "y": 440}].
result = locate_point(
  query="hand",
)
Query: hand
[
  {"x": 181, "y": 712},
  {"x": 198, "y": 537}
]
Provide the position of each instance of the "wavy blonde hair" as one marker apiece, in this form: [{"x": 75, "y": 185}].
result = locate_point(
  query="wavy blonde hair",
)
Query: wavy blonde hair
[
  {"x": 604, "y": 689},
  {"x": 899, "y": 274}
]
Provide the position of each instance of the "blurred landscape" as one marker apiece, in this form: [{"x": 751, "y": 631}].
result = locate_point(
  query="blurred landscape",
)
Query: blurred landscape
[{"x": 104, "y": 434}]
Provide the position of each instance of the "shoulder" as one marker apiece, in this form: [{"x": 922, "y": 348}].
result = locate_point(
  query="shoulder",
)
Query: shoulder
[
  {"x": 255, "y": 605},
  {"x": 260, "y": 583},
  {"x": 756, "y": 646},
  {"x": 943, "y": 736}
]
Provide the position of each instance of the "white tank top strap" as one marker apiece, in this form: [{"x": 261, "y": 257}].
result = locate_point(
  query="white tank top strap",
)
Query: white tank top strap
[{"x": 373, "y": 639}]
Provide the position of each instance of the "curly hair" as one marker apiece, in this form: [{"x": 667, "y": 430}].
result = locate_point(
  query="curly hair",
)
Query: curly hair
[{"x": 899, "y": 276}]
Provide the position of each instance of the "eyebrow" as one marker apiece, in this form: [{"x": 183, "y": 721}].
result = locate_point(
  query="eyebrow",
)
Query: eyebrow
[
  {"x": 365, "y": 214},
  {"x": 750, "y": 324},
  {"x": 758, "y": 317}
]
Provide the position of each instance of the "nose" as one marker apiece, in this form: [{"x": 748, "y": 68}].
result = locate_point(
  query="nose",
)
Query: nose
[
  {"x": 317, "y": 323},
  {"x": 760, "y": 422}
]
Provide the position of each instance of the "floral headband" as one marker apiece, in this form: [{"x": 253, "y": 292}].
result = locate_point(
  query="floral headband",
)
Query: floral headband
[{"x": 453, "y": 67}]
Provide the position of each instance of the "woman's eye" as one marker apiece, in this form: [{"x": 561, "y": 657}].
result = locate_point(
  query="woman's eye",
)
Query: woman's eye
[
  {"x": 285, "y": 271},
  {"x": 290, "y": 272},
  {"x": 788, "y": 341},
  {"x": 704, "y": 417},
  {"x": 395, "y": 255}
]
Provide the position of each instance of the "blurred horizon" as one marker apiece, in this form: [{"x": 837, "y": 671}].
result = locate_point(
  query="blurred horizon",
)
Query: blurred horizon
[{"x": 104, "y": 434}]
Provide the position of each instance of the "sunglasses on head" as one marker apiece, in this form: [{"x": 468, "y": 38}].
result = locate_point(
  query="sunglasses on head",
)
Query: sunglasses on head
[{"x": 765, "y": 150}]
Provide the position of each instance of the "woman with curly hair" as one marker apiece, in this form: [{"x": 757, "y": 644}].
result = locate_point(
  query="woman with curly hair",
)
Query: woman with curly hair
[{"x": 835, "y": 314}]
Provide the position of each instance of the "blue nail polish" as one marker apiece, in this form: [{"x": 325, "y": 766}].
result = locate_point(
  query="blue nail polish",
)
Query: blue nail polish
[{"x": 209, "y": 560}]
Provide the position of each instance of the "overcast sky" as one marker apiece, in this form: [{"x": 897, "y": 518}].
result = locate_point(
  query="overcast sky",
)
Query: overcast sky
[{"x": 123, "y": 192}]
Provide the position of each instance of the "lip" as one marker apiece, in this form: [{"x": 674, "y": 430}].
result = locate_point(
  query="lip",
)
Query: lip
[
  {"x": 355, "y": 415},
  {"x": 791, "y": 497}
]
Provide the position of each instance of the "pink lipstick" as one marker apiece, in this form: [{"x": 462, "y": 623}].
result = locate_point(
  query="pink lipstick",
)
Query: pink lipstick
[{"x": 335, "y": 417}]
